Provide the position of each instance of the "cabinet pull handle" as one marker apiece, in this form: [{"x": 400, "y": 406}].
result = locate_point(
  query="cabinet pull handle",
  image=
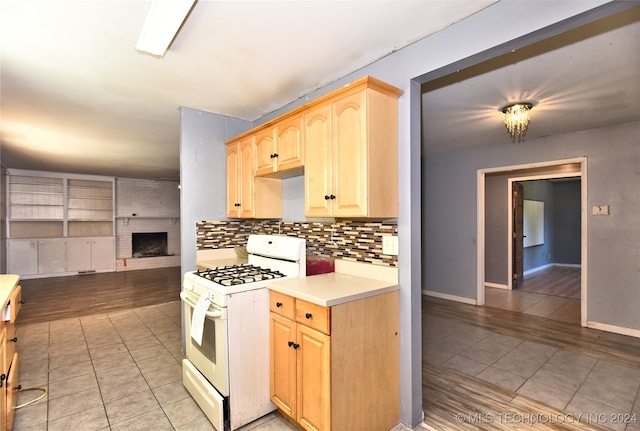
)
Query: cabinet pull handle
[
  {"x": 14, "y": 339},
  {"x": 278, "y": 304},
  {"x": 308, "y": 315}
]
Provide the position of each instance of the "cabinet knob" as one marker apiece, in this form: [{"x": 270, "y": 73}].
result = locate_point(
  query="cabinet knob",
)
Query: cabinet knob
[
  {"x": 308, "y": 315},
  {"x": 18, "y": 388},
  {"x": 332, "y": 196},
  {"x": 290, "y": 343},
  {"x": 326, "y": 197},
  {"x": 21, "y": 301},
  {"x": 2, "y": 379},
  {"x": 296, "y": 345},
  {"x": 14, "y": 339},
  {"x": 278, "y": 304}
]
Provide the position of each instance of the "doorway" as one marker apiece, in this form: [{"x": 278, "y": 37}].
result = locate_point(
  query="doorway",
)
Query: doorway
[{"x": 554, "y": 171}]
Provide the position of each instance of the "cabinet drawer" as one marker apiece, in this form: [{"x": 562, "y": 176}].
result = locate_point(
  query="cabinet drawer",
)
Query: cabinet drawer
[
  {"x": 12, "y": 309},
  {"x": 282, "y": 304},
  {"x": 313, "y": 316}
]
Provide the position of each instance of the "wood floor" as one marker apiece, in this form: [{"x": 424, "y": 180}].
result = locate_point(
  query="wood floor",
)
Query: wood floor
[
  {"x": 556, "y": 281},
  {"x": 55, "y": 298}
]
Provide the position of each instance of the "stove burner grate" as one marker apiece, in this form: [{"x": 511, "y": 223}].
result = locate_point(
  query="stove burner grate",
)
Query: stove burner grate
[{"x": 238, "y": 274}]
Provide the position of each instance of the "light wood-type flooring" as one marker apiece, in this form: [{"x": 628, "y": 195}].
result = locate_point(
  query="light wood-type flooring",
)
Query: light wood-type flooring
[
  {"x": 58, "y": 298},
  {"x": 561, "y": 281}
]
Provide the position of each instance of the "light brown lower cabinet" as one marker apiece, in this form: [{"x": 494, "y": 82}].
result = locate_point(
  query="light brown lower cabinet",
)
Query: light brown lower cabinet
[
  {"x": 9, "y": 374},
  {"x": 336, "y": 368}
]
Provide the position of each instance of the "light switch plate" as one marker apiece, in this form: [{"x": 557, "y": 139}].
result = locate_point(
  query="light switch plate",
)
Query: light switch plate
[{"x": 390, "y": 245}]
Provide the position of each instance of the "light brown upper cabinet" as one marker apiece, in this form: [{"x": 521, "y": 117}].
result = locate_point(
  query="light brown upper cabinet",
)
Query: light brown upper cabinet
[
  {"x": 248, "y": 196},
  {"x": 280, "y": 149},
  {"x": 351, "y": 162}
]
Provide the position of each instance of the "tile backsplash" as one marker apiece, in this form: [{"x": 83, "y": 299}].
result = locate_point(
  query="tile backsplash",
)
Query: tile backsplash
[{"x": 355, "y": 240}]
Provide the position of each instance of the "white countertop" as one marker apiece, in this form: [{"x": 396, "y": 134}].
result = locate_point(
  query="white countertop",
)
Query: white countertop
[
  {"x": 332, "y": 288},
  {"x": 7, "y": 283}
]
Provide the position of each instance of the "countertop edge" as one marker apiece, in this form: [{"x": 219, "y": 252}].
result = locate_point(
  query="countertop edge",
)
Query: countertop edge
[
  {"x": 326, "y": 297},
  {"x": 7, "y": 283}
]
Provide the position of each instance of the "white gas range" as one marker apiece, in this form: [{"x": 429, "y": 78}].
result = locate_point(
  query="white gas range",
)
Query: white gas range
[{"x": 226, "y": 312}]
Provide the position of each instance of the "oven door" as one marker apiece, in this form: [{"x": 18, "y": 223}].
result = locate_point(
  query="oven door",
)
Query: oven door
[{"x": 210, "y": 358}]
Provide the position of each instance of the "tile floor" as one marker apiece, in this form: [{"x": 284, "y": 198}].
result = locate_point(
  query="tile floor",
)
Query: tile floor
[
  {"x": 534, "y": 304},
  {"x": 568, "y": 381},
  {"x": 118, "y": 371}
]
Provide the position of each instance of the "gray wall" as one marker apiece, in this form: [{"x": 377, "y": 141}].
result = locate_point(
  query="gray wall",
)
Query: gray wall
[
  {"x": 566, "y": 222},
  {"x": 540, "y": 255},
  {"x": 203, "y": 168},
  {"x": 449, "y": 251}
]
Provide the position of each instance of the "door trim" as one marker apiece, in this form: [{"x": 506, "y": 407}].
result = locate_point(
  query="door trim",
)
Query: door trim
[{"x": 480, "y": 243}]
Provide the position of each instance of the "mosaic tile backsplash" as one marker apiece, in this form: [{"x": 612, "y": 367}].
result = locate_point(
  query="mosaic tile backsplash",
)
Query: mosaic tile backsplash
[{"x": 359, "y": 241}]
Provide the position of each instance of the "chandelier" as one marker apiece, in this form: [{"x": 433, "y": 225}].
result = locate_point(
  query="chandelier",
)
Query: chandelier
[{"x": 516, "y": 119}]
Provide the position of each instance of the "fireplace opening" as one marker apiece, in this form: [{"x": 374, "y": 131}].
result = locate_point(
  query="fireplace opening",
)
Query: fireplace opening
[{"x": 149, "y": 244}]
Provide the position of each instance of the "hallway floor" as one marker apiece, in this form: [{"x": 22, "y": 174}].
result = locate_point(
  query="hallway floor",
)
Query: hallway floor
[{"x": 478, "y": 359}]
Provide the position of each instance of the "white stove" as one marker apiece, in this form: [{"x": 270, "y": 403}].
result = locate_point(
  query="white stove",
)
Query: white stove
[{"x": 225, "y": 368}]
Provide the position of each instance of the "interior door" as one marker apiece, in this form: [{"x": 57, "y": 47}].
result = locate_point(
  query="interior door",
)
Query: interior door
[{"x": 518, "y": 235}]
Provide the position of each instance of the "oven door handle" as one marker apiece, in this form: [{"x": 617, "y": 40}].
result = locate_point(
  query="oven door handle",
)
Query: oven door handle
[{"x": 209, "y": 314}]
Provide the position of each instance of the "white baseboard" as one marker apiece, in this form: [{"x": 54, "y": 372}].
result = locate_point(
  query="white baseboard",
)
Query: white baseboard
[
  {"x": 539, "y": 268},
  {"x": 549, "y": 265},
  {"x": 496, "y": 285},
  {"x": 615, "y": 329},
  {"x": 450, "y": 297},
  {"x": 568, "y": 265}
]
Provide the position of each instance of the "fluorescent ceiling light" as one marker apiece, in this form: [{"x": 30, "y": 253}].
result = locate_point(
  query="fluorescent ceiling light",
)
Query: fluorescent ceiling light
[{"x": 161, "y": 25}]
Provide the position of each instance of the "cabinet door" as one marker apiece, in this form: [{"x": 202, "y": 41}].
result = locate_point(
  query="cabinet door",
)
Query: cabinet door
[
  {"x": 247, "y": 170},
  {"x": 12, "y": 381},
  {"x": 78, "y": 254},
  {"x": 233, "y": 183},
  {"x": 22, "y": 257},
  {"x": 350, "y": 167},
  {"x": 51, "y": 256},
  {"x": 3, "y": 391},
  {"x": 313, "y": 379},
  {"x": 317, "y": 165},
  {"x": 283, "y": 364},
  {"x": 103, "y": 251},
  {"x": 289, "y": 144},
  {"x": 265, "y": 150}
]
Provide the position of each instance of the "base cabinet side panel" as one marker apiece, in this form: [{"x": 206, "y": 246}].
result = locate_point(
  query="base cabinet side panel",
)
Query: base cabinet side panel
[{"x": 365, "y": 358}]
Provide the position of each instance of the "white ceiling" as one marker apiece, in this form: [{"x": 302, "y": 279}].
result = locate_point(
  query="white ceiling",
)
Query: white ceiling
[
  {"x": 77, "y": 97},
  {"x": 583, "y": 79}
]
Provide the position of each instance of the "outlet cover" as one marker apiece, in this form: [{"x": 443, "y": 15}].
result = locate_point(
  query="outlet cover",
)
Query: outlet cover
[{"x": 390, "y": 245}]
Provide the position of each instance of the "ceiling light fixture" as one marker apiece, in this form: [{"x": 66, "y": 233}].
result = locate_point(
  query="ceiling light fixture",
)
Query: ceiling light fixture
[
  {"x": 162, "y": 24},
  {"x": 516, "y": 119}
]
